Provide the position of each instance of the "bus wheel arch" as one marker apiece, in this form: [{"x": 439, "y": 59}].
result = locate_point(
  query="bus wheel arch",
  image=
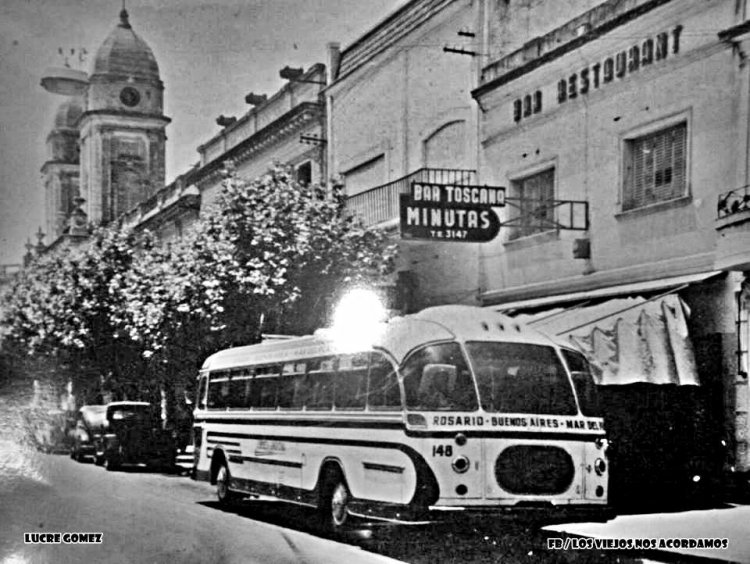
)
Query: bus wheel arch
[{"x": 217, "y": 459}]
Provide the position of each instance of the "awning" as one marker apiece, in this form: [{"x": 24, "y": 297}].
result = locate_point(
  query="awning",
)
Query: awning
[
  {"x": 627, "y": 340},
  {"x": 631, "y": 289}
]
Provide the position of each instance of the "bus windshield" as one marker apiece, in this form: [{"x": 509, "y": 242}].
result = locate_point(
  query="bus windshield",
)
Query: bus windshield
[
  {"x": 437, "y": 378},
  {"x": 521, "y": 378},
  {"x": 588, "y": 398}
]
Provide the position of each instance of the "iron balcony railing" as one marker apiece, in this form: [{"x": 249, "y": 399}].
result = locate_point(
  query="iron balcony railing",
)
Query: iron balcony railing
[
  {"x": 733, "y": 201},
  {"x": 381, "y": 203}
]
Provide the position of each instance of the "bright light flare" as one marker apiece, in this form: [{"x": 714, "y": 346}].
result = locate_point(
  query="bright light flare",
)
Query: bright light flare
[{"x": 358, "y": 319}]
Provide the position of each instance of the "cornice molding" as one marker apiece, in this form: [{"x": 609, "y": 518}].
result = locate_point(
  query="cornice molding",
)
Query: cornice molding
[{"x": 283, "y": 128}]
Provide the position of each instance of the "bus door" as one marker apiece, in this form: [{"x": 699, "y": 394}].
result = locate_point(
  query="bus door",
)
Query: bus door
[
  {"x": 438, "y": 386},
  {"x": 287, "y": 457}
]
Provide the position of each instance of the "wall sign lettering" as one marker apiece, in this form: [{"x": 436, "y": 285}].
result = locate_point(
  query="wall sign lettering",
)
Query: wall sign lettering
[
  {"x": 625, "y": 62},
  {"x": 605, "y": 71}
]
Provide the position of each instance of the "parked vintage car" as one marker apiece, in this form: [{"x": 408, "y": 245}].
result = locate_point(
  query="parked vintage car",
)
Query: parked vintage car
[
  {"x": 89, "y": 425},
  {"x": 133, "y": 435}
]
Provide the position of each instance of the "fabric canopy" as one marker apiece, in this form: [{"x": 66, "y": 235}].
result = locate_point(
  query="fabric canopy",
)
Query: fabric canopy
[{"x": 627, "y": 340}]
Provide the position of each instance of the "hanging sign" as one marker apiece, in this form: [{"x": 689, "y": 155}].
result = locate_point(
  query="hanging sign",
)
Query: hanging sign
[{"x": 449, "y": 212}]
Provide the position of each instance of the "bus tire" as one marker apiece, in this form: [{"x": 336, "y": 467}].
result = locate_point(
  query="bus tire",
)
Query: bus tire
[
  {"x": 225, "y": 496},
  {"x": 334, "y": 501}
]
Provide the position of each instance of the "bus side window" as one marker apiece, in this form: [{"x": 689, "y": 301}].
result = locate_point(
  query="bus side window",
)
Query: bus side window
[
  {"x": 218, "y": 390},
  {"x": 239, "y": 388},
  {"x": 351, "y": 381},
  {"x": 263, "y": 390},
  {"x": 320, "y": 383},
  {"x": 291, "y": 392},
  {"x": 382, "y": 384}
]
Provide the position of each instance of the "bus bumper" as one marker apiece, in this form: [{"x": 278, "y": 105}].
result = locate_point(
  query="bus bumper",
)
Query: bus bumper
[{"x": 530, "y": 514}]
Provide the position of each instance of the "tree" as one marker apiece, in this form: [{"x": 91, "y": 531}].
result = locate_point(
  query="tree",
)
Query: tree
[
  {"x": 61, "y": 307},
  {"x": 269, "y": 256},
  {"x": 290, "y": 250}
]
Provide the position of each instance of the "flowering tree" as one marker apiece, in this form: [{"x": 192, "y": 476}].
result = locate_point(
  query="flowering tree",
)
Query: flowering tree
[
  {"x": 62, "y": 307},
  {"x": 290, "y": 250},
  {"x": 268, "y": 257}
]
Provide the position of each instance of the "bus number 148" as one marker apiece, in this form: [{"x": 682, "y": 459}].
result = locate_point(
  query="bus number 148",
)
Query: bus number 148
[{"x": 442, "y": 450}]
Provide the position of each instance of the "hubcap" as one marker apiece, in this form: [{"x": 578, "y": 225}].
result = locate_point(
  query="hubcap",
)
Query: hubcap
[{"x": 339, "y": 499}]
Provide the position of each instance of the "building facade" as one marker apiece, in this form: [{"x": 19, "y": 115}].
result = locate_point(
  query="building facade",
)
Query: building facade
[
  {"x": 400, "y": 110},
  {"x": 635, "y": 109}
]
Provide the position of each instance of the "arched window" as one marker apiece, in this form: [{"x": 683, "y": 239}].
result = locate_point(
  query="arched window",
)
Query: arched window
[{"x": 446, "y": 147}]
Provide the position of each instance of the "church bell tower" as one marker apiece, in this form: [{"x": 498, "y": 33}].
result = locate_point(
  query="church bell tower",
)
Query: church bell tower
[{"x": 122, "y": 128}]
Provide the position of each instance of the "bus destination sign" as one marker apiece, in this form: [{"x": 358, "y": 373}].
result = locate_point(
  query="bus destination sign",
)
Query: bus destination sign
[{"x": 450, "y": 212}]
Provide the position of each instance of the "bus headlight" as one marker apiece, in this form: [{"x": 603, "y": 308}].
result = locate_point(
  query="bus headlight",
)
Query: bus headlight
[
  {"x": 460, "y": 464},
  {"x": 600, "y": 466}
]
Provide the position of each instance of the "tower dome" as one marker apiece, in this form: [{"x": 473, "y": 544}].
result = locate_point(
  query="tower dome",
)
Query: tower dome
[
  {"x": 124, "y": 53},
  {"x": 68, "y": 113},
  {"x": 62, "y": 141}
]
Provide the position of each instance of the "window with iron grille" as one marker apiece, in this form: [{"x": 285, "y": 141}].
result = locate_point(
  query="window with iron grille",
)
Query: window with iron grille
[
  {"x": 655, "y": 167},
  {"x": 533, "y": 211}
]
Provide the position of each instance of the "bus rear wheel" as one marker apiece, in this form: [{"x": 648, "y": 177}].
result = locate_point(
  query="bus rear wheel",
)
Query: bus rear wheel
[{"x": 334, "y": 506}]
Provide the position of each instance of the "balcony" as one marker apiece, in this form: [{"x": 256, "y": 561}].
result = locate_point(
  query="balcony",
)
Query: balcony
[
  {"x": 733, "y": 227},
  {"x": 381, "y": 204}
]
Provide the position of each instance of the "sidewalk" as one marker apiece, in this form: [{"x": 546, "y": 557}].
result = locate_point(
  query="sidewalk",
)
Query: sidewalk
[{"x": 732, "y": 523}]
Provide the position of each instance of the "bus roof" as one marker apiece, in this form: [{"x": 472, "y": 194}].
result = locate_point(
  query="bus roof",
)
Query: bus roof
[{"x": 401, "y": 335}]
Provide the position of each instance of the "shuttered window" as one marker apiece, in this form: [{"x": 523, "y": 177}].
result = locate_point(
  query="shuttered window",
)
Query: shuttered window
[
  {"x": 535, "y": 210},
  {"x": 655, "y": 168}
]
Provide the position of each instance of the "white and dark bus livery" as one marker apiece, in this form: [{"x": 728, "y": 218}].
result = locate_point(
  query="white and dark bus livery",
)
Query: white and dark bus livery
[{"x": 455, "y": 409}]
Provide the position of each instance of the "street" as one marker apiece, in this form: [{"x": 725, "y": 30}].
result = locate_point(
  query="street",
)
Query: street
[
  {"x": 143, "y": 517},
  {"x": 154, "y": 517}
]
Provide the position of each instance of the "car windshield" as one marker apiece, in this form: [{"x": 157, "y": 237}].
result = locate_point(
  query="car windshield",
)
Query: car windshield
[{"x": 521, "y": 378}]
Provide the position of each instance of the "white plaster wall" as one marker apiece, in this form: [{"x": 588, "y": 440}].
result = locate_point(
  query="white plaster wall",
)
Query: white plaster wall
[
  {"x": 391, "y": 106},
  {"x": 584, "y": 140},
  {"x": 511, "y": 23},
  {"x": 400, "y": 98}
]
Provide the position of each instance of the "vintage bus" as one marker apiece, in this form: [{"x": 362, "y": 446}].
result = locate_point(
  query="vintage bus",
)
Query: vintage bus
[{"x": 455, "y": 409}]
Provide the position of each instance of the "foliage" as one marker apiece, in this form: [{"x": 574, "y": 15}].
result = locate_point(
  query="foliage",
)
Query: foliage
[
  {"x": 62, "y": 306},
  {"x": 269, "y": 256}
]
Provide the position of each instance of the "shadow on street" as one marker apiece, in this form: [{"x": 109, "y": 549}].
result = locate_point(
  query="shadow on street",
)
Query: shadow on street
[{"x": 500, "y": 541}]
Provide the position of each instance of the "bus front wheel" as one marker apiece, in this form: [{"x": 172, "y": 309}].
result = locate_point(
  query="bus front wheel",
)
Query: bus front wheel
[
  {"x": 334, "y": 502},
  {"x": 223, "y": 493}
]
